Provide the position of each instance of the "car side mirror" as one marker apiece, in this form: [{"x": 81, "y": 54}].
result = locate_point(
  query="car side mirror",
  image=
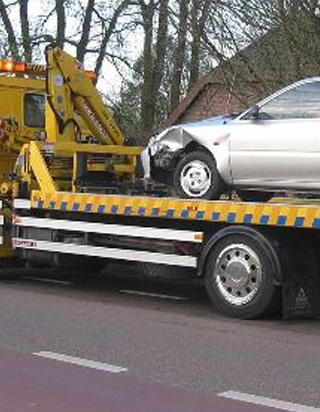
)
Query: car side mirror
[{"x": 253, "y": 113}]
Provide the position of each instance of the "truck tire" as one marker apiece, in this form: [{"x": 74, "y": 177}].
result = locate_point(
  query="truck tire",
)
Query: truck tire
[
  {"x": 240, "y": 274},
  {"x": 196, "y": 176}
]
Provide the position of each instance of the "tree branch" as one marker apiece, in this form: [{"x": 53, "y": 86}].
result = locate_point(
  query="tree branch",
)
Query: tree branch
[{"x": 13, "y": 46}]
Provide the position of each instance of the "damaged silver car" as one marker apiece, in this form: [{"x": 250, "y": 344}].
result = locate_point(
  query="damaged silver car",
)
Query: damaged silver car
[{"x": 273, "y": 146}]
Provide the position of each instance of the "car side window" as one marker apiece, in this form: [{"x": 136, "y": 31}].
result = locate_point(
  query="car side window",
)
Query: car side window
[{"x": 301, "y": 102}]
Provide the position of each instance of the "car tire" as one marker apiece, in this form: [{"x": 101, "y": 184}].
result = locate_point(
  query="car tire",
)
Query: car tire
[
  {"x": 196, "y": 177},
  {"x": 255, "y": 196},
  {"x": 240, "y": 275}
]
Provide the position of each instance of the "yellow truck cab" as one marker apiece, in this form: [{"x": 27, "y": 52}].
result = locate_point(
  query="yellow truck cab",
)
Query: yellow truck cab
[
  {"x": 22, "y": 102},
  {"x": 23, "y": 99}
]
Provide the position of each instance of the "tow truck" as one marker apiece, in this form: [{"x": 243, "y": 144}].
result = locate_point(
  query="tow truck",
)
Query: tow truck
[{"x": 69, "y": 198}]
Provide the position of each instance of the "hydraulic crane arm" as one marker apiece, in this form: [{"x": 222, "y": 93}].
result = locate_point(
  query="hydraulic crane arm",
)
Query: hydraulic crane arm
[
  {"x": 70, "y": 89},
  {"x": 81, "y": 147}
]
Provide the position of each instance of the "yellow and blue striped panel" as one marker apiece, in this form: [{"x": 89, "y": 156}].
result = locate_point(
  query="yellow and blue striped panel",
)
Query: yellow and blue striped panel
[{"x": 270, "y": 214}]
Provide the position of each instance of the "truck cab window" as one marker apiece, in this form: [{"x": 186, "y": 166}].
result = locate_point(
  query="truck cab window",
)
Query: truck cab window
[{"x": 34, "y": 110}]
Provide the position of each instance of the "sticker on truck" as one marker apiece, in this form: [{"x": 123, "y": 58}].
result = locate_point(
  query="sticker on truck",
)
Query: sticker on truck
[{"x": 24, "y": 243}]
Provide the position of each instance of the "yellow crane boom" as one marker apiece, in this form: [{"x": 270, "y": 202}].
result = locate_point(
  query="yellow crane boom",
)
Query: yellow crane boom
[{"x": 71, "y": 91}]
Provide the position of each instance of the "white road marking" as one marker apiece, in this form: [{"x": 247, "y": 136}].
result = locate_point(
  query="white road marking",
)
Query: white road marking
[
  {"x": 81, "y": 362},
  {"x": 152, "y": 295},
  {"x": 271, "y": 403},
  {"x": 46, "y": 280}
]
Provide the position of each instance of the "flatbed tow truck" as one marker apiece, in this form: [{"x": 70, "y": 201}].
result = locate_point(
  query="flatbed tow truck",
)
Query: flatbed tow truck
[{"x": 66, "y": 201}]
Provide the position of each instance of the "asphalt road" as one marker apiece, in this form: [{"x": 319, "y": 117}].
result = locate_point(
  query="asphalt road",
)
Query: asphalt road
[{"x": 160, "y": 332}]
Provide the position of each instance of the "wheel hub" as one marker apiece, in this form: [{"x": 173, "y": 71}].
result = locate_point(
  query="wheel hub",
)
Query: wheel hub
[
  {"x": 238, "y": 274},
  {"x": 195, "y": 178}
]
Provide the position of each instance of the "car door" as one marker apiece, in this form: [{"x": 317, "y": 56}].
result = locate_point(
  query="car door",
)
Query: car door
[{"x": 280, "y": 147}]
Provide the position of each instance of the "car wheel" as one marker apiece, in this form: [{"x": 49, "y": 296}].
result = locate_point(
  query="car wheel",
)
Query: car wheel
[
  {"x": 196, "y": 176},
  {"x": 240, "y": 273},
  {"x": 254, "y": 196}
]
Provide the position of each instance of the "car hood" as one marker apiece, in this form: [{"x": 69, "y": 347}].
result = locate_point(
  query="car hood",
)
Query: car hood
[
  {"x": 178, "y": 136},
  {"x": 211, "y": 121}
]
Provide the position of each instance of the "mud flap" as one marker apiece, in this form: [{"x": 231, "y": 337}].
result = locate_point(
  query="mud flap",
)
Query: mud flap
[
  {"x": 301, "y": 289},
  {"x": 301, "y": 299}
]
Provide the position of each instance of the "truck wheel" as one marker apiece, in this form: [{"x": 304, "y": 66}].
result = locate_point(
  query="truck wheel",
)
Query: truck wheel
[
  {"x": 196, "y": 176},
  {"x": 240, "y": 275}
]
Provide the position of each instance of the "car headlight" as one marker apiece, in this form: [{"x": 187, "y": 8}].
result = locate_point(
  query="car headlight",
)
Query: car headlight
[{"x": 156, "y": 147}]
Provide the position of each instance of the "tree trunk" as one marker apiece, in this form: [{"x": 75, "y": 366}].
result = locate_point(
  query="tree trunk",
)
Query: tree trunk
[
  {"x": 179, "y": 55},
  {"x": 200, "y": 10},
  {"x": 108, "y": 33},
  {"x": 147, "y": 98},
  {"x": 84, "y": 39},
  {"x": 25, "y": 30},
  {"x": 61, "y": 23},
  {"x": 12, "y": 42},
  {"x": 161, "y": 47}
]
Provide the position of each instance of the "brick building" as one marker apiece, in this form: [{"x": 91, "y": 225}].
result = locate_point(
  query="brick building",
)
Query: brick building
[{"x": 248, "y": 76}]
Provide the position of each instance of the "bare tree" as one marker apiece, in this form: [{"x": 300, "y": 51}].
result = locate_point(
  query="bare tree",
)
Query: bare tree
[
  {"x": 161, "y": 46},
  {"x": 179, "y": 54},
  {"x": 199, "y": 13},
  {"x": 147, "y": 12},
  {"x": 85, "y": 32},
  {"x": 109, "y": 30},
  {"x": 26, "y": 40},
  {"x": 61, "y": 22},
  {"x": 12, "y": 42}
]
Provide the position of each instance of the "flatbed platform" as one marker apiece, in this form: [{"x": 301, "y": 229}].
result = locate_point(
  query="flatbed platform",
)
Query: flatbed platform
[{"x": 279, "y": 212}]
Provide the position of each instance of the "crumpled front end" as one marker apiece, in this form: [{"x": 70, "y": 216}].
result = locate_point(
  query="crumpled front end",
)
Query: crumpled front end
[{"x": 164, "y": 150}]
